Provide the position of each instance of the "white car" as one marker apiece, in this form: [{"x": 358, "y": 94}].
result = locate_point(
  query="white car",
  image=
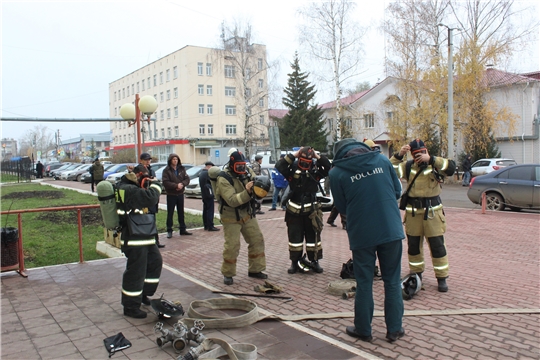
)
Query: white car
[{"x": 485, "y": 166}]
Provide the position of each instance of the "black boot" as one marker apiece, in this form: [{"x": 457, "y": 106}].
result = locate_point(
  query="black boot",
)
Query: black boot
[
  {"x": 316, "y": 267},
  {"x": 442, "y": 286},
  {"x": 294, "y": 268}
]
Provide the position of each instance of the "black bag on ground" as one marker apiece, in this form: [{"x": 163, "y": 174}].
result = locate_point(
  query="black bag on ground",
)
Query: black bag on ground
[
  {"x": 141, "y": 224},
  {"x": 347, "y": 270},
  {"x": 116, "y": 343}
]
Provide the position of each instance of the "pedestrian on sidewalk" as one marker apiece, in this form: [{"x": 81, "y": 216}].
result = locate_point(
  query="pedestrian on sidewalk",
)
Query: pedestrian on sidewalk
[
  {"x": 234, "y": 191},
  {"x": 280, "y": 184},
  {"x": 97, "y": 171},
  {"x": 365, "y": 188},
  {"x": 467, "y": 170},
  {"x": 175, "y": 179},
  {"x": 424, "y": 215},
  {"x": 207, "y": 196}
]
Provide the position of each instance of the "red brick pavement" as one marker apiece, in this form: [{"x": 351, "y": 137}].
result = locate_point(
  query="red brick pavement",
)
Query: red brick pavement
[{"x": 494, "y": 273}]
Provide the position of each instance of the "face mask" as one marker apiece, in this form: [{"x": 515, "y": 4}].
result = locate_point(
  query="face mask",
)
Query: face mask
[
  {"x": 239, "y": 167},
  {"x": 304, "y": 164}
]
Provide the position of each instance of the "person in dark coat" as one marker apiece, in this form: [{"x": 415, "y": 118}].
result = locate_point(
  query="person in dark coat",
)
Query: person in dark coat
[
  {"x": 365, "y": 187},
  {"x": 467, "y": 170},
  {"x": 175, "y": 181},
  {"x": 39, "y": 170},
  {"x": 207, "y": 198}
]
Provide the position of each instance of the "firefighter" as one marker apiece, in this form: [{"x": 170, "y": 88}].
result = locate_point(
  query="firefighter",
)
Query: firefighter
[
  {"x": 144, "y": 262},
  {"x": 303, "y": 169},
  {"x": 234, "y": 192},
  {"x": 424, "y": 215}
]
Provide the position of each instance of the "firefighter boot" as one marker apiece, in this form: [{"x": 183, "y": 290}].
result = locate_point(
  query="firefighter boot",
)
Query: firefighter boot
[
  {"x": 442, "y": 285},
  {"x": 294, "y": 268},
  {"x": 316, "y": 267}
]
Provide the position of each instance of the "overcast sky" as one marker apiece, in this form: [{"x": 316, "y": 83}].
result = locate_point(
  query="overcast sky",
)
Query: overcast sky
[{"x": 58, "y": 58}]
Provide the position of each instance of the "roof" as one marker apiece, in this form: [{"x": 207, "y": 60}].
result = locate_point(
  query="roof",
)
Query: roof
[
  {"x": 348, "y": 100},
  {"x": 494, "y": 78},
  {"x": 534, "y": 75}
]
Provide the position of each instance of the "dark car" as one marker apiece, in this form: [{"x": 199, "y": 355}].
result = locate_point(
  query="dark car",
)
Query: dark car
[
  {"x": 516, "y": 187},
  {"x": 52, "y": 166}
]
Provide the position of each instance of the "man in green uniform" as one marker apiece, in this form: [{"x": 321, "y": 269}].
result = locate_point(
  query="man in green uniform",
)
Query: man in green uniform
[
  {"x": 424, "y": 215},
  {"x": 234, "y": 189}
]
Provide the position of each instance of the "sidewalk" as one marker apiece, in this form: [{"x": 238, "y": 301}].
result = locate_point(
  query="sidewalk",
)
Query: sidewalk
[{"x": 491, "y": 311}]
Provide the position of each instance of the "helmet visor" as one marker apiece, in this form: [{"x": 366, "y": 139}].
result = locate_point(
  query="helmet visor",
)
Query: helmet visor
[
  {"x": 239, "y": 167},
  {"x": 304, "y": 164}
]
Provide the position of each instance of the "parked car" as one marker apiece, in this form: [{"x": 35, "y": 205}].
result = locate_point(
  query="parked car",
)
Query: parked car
[
  {"x": 159, "y": 172},
  {"x": 57, "y": 174},
  {"x": 66, "y": 173},
  {"x": 64, "y": 166},
  {"x": 87, "y": 178},
  {"x": 74, "y": 175},
  {"x": 116, "y": 172},
  {"x": 485, "y": 166},
  {"x": 53, "y": 166},
  {"x": 517, "y": 187},
  {"x": 193, "y": 189}
]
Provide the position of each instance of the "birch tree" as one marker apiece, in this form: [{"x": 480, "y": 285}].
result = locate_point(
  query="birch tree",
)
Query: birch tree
[
  {"x": 246, "y": 67},
  {"x": 333, "y": 37}
]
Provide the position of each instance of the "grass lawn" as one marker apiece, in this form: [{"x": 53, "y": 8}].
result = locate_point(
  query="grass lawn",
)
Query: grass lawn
[{"x": 51, "y": 238}]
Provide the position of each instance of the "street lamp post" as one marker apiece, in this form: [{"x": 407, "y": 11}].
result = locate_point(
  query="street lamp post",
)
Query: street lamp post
[{"x": 146, "y": 105}]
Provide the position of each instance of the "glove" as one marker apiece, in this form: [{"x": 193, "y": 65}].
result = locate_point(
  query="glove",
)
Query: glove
[{"x": 268, "y": 288}]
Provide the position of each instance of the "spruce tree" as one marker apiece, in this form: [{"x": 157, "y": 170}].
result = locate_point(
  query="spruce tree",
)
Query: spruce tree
[{"x": 303, "y": 124}]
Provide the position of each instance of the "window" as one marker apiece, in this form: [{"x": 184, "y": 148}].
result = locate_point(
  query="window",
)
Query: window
[
  {"x": 230, "y": 110},
  {"x": 155, "y": 80},
  {"x": 199, "y": 68},
  {"x": 133, "y": 89},
  {"x": 176, "y": 111},
  {"x": 176, "y": 93},
  {"x": 124, "y": 139},
  {"x": 127, "y": 91},
  {"x": 176, "y": 132},
  {"x": 210, "y": 109},
  {"x": 248, "y": 73},
  {"x": 230, "y": 129},
  {"x": 208, "y": 69},
  {"x": 161, "y": 77},
  {"x": 230, "y": 91},
  {"x": 259, "y": 64},
  {"x": 229, "y": 71},
  {"x": 150, "y": 134},
  {"x": 348, "y": 123},
  {"x": 168, "y": 94},
  {"x": 200, "y": 89},
  {"x": 161, "y": 97},
  {"x": 261, "y": 83},
  {"x": 208, "y": 89},
  {"x": 138, "y": 87},
  {"x": 261, "y": 102},
  {"x": 115, "y": 111},
  {"x": 248, "y": 91},
  {"x": 210, "y": 129},
  {"x": 149, "y": 82},
  {"x": 369, "y": 121},
  {"x": 201, "y": 109},
  {"x": 261, "y": 119},
  {"x": 123, "y": 93},
  {"x": 201, "y": 129},
  {"x": 162, "y": 132},
  {"x": 115, "y": 96},
  {"x": 175, "y": 72},
  {"x": 162, "y": 114},
  {"x": 169, "y": 133},
  {"x": 168, "y": 75},
  {"x": 142, "y": 84},
  {"x": 155, "y": 97},
  {"x": 155, "y": 134},
  {"x": 168, "y": 113}
]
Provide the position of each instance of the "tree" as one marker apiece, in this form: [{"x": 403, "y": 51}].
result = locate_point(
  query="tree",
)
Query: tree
[
  {"x": 303, "y": 125},
  {"x": 332, "y": 36},
  {"x": 246, "y": 69},
  {"x": 361, "y": 86},
  {"x": 39, "y": 138}
]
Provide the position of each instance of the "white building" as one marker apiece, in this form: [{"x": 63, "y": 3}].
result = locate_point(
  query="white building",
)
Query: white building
[{"x": 200, "y": 111}]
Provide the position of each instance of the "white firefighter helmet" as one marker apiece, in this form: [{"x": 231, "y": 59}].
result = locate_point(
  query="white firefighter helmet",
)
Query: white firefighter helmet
[{"x": 410, "y": 285}]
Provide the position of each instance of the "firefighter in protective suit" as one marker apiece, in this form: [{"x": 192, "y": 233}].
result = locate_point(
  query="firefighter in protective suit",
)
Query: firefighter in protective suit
[
  {"x": 424, "y": 215},
  {"x": 234, "y": 192},
  {"x": 304, "y": 215},
  {"x": 144, "y": 262}
]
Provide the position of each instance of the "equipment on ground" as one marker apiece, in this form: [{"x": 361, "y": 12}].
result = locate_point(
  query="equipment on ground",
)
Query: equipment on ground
[
  {"x": 180, "y": 336},
  {"x": 165, "y": 308},
  {"x": 410, "y": 286}
]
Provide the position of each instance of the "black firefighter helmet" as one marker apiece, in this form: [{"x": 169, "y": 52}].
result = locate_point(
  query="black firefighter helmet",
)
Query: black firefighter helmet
[
  {"x": 410, "y": 286},
  {"x": 261, "y": 186}
]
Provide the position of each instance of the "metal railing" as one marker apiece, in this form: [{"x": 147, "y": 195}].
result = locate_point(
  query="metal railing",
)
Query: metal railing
[{"x": 21, "y": 269}]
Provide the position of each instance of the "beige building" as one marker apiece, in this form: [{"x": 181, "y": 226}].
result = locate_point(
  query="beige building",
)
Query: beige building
[{"x": 203, "y": 97}]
